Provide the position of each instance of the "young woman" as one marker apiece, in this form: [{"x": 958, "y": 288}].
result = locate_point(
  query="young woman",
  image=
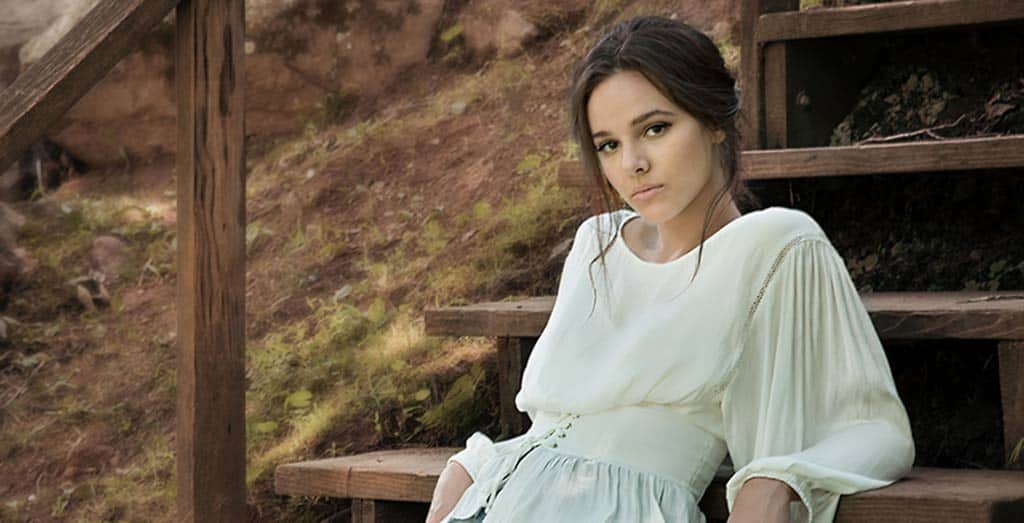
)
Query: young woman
[{"x": 639, "y": 387}]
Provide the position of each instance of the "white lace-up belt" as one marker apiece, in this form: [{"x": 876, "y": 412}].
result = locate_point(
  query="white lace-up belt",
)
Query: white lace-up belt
[{"x": 648, "y": 438}]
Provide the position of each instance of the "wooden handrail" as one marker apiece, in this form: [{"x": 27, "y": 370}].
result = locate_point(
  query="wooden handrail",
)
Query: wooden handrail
[
  {"x": 884, "y": 17},
  {"x": 211, "y": 215},
  {"x": 50, "y": 86}
]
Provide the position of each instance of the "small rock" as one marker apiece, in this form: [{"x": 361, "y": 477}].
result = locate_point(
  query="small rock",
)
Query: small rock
[
  {"x": 90, "y": 291},
  {"x": 458, "y": 107},
  {"x": 513, "y": 33},
  {"x": 109, "y": 256},
  {"x": 11, "y": 216},
  {"x": 341, "y": 293},
  {"x": 85, "y": 298},
  {"x": 28, "y": 263}
]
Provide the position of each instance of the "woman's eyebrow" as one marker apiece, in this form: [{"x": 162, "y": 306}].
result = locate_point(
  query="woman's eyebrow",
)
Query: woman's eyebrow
[{"x": 637, "y": 120}]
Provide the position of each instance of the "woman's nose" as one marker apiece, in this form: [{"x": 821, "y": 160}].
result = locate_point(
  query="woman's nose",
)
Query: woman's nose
[{"x": 634, "y": 161}]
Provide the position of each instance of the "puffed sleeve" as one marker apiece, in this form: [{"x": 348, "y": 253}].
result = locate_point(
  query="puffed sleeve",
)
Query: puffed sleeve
[
  {"x": 480, "y": 448},
  {"x": 812, "y": 401}
]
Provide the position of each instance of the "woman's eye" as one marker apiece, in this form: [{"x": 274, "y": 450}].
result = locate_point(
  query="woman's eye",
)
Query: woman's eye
[
  {"x": 659, "y": 126},
  {"x": 601, "y": 147}
]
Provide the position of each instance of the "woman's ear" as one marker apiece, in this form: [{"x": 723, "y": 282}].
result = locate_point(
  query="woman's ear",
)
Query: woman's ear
[{"x": 719, "y": 136}]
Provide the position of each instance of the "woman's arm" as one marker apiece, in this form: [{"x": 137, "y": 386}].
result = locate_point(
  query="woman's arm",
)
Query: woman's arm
[
  {"x": 452, "y": 483},
  {"x": 812, "y": 402},
  {"x": 763, "y": 500}
]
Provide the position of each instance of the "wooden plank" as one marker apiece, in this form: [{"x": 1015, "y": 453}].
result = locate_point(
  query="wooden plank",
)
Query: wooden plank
[
  {"x": 933, "y": 494},
  {"x": 944, "y": 315},
  {"x": 822, "y": 83},
  {"x": 751, "y": 79},
  {"x": 513, "y": 353},
  {"x": 896, "y": 315},
  {"x": 524, "y": 318},
  {"x": 926, "y": 495},
  {"x": 749, "y": 119},
  {"x": 776, "y": 95},
  {"x": 211, "y": 261},
  {"x": 375, "y": 511},
  {"x": 960, "y": 154},
  {"x": 885, "y": 17},
  {"x": 49, "y": 87},
  {"x": 1011, "y": 388},
  {"x": 395, "y": 475}
]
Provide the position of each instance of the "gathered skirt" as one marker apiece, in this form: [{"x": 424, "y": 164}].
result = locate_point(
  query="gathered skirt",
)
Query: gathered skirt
[{"x": 547, "y": 485}]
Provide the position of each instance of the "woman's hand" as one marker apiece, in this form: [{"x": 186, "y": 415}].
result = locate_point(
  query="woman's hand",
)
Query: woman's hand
[
  {"x": 451, "y": 484},
  {"x": 762, "y": 499}
]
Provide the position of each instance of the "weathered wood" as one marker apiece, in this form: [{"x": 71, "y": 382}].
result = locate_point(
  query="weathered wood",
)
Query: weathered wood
[
  {"x": 896, "y": 315},
  {"x": 749, "y": 118},
  {"x": 884, "y": 17},
  {"x": 926, "y": 495},
  {"x": 375, "y": 511},
  {"x": 751, "y": 79},
  {"x": 776, "y": 95},
  {"x": 513, "y": 352},
  {"x": 811, "y": 86},
  {"x": 947, "y": 155},
  {"x": 933, "y": 494},
  {"x": 49, "y": 87},
  {"x": 211, "y": 262},
  {"x": 961, "y": 154},
  {"x": 946, "y": 315},
  {"x": 394, "y": 475},
  {"x": 1011, "y": 389},
  {"x": 524, "y": 318}
]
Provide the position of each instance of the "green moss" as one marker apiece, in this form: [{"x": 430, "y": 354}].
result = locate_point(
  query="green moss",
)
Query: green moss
[
  {"x": 461, "y": 407},
  {"x": 335, "y": 107}
]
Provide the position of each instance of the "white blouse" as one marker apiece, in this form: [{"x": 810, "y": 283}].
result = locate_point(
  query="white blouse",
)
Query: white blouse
[{"x": 768, "y": 354}]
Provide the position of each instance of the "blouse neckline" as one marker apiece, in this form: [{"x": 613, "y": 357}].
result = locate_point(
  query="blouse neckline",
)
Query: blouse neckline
[{"x": 687, "y": 255}]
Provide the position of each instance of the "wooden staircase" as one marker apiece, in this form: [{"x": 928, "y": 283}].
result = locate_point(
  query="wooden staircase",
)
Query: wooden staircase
[{"x": 788, "y": 57}]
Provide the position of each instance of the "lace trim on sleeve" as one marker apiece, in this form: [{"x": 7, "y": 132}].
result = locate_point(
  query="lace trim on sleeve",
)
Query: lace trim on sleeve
[{"x": 737, "y": 351}]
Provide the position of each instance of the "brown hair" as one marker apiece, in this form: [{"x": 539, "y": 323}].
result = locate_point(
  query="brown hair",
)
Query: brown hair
[{"x": 687, "y": 68}]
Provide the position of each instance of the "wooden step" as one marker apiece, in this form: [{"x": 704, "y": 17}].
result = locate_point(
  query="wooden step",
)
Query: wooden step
[
  {"x": 393, "y": 475},
  {"x": 896, "y": 315},
  {"x": 888, "y": 17},
  {"x": 927, "y": 495},
  {"x": 961, "y": 154}
]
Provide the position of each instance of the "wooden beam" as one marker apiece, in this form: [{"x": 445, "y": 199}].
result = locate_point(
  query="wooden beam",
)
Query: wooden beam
[
  {"x": 885, "y": 17},
  {"x": 959, "y": 154},
  {"x": 513, "y": 354},
  {"x": 395, "y": 475},
  {"x": 211, "y": 261},
  {"x": 896, "y": 315},
  {"x": 50, "y": 86},
  {"x": 926, "y": 495},
  {"x": 933, "y": 494},
  {"x": 1011, "y": 389},
  {"x": 776, "y": 94},
  {"x": 751, "y": 85}
]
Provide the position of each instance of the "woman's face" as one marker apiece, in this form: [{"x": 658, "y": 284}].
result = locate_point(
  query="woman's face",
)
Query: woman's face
[{"x": 642, "y": 138}]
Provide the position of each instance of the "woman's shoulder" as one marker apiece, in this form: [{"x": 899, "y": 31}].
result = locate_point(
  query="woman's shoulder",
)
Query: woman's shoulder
[
  {"x": 770, "y": 233},
  {"x": 777, "y": 225},
  {"x": 603, "y": 226}
]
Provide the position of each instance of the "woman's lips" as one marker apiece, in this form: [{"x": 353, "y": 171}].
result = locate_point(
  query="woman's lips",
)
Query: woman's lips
[{"x": 649, "y": 193}]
